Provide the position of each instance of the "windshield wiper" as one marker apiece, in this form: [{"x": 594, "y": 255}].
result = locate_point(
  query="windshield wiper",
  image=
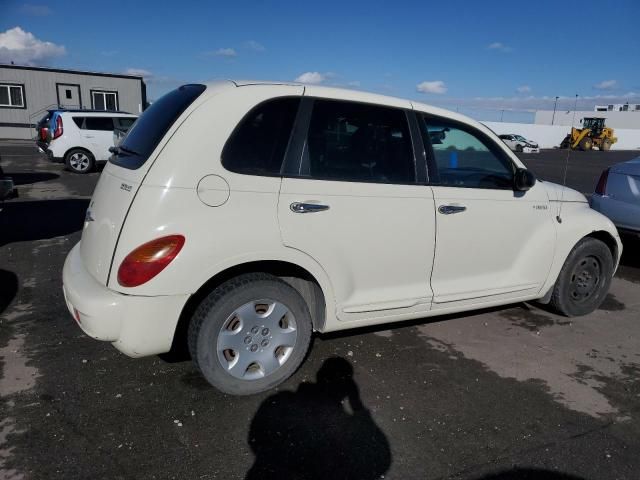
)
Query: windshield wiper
[{"x": 120, "y": 150}]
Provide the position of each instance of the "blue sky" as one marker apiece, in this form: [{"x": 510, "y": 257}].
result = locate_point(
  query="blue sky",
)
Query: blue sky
[{"x": 476, "y": 56}]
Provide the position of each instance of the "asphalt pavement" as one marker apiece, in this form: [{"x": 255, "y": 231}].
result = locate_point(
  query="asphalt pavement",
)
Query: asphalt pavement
[{"x": 508, "y": 393}]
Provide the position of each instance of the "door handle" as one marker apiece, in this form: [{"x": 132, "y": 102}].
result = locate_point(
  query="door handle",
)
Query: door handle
[
  {"x": 449, "y": 209},
  {"x": 302, "y": 207}
]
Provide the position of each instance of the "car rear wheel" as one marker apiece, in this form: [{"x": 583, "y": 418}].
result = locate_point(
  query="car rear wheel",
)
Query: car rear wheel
[
  {"x": 250, "y": 334},
  {"x": 79, "y": 161},
  {"x": 518, "y": 148},
  {"x": 584, "y": 279}
]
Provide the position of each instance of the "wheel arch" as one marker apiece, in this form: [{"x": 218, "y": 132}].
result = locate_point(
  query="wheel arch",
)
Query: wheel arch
[
  {"x": 604, "y": 236},
  {"x": 298, "y": 277}
]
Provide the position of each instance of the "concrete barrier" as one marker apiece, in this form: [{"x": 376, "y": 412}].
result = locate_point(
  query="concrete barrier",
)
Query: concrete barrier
[{"x": 550, "y": 136}]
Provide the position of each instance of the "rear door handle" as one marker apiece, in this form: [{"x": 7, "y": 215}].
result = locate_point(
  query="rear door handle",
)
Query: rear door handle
[
  {"x": 449, "y": 209},
  {"x": 302, "y": 207}
]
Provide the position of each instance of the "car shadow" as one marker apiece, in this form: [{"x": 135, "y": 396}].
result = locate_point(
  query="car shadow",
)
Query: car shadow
[
  {"x": 319, "y": 431},
  {"x": 30, "y": 177},
  {"x": 630, "y": 251},
  {"x": 8, "y": 288},
  {"x": 40, "y": 219}
]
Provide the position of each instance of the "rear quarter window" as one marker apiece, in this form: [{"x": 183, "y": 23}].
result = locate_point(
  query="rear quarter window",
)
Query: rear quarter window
[
  {"x": 258, "y": 144},
  {"x": 153, "y": 124}
]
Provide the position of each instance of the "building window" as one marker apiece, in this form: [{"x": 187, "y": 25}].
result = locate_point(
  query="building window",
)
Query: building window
[
  {"x": 68, "y": 93},
  {"x": 11, "y": 96},
  {"x": 104, "y": 100}
]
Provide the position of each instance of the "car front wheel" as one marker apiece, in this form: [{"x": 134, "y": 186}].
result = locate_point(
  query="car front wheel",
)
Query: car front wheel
[
  {"x": 250, "y": 334},
  {"x": 584, "y": 279}
]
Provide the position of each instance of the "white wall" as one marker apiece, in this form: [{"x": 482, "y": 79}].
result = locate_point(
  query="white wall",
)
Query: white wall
[
  {"x": 550, "y": 136},
  {"x": 614, "y": 119}
]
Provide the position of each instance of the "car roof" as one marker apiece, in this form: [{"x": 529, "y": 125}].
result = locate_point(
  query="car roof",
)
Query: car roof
[
  {"x": 102, "y": 113},
  {"x": 349, "y": 94}
]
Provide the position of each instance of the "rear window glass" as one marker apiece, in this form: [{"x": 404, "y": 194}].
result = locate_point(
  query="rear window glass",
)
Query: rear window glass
[{"x": 153, "y": 124}]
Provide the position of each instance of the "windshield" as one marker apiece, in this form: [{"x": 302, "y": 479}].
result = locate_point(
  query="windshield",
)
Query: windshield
[
  {"x": 153, "y": 124},
  {"x": 521, "y": 138}
]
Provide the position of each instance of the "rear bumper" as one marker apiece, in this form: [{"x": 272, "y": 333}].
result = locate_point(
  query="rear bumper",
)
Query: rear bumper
[{"x": 137, "y": 326}]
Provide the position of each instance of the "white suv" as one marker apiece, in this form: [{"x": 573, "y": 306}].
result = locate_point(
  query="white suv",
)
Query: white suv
[
  {"x": 80, "y": 138},
  {"x": 238, "y": 218}
]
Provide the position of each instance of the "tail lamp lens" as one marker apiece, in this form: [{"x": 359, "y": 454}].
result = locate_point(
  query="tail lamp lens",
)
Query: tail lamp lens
[
  {"x": 601, "y": 187},
  {"x": 148, "y": 260},
  {"x": 58, "y": 131}
]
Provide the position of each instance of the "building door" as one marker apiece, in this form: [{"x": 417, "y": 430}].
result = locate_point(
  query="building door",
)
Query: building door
[{"x": 69, "y": 95}]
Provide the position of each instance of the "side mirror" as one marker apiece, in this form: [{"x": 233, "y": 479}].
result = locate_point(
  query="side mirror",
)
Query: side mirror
[{"x": 523, "y": 180}]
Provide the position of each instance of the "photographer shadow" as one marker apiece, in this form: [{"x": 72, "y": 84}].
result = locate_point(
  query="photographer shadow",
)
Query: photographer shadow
[{"x": 322, "y": 430}]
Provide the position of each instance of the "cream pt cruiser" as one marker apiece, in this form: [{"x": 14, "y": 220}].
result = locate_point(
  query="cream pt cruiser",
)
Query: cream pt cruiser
[{"x": 239, "y": 217}]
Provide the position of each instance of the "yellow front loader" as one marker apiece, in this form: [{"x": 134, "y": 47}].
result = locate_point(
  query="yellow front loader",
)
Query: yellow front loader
[{"x": 593, "y": 133}]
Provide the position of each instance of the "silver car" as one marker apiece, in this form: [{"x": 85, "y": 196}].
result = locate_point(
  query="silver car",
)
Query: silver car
[{"x": 617, "y": 195}]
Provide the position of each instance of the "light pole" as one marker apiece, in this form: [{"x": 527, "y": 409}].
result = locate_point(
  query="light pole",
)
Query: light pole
[
  {"x": 501, "y": 114},
  {"x": 554, "y": 110}
]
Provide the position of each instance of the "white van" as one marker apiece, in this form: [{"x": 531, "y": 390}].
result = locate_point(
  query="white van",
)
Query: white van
[
  {"x": 238, "y": 217},
  {"x": 81, "y": 138}
]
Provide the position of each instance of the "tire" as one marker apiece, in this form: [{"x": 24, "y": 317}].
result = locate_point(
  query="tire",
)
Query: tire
[
  {"x": 584, "y": 279},
  {"x": 585, "y": 144},
  {"x": 605, "y": 145},
  {"x": 79, "y": 161},
  {"x": 519, "y": 148},
  {"x": 265, "y": 349}
]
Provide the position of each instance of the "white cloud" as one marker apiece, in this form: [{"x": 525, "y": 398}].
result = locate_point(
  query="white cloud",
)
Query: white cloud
[
  {"x": 225, "y": 52},
  {"x": 140, "y": 72},
  {"x": 311, "y": 78},
  {"x": 606, "y": 85},
  {"x": 35, "y": 10},
  {"x": 501, "y": 47},
  {"x": 255, "y": 46},
  {"x": 353, "y": 84},
  {"x": 22, "y": 47},
  {"x": 523, "y": 89},
  {"x": 435, "y": 86}
]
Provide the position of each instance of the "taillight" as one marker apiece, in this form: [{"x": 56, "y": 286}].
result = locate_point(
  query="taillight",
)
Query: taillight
[
  {"x": 58, "y": 131},
  {"x": 148, "y": 260},
  {"x": 601, "y": 187},
  {"x": 43, "y": 134}
]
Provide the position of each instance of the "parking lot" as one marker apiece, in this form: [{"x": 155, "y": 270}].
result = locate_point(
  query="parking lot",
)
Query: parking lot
[{"x": 511, "y": 392}]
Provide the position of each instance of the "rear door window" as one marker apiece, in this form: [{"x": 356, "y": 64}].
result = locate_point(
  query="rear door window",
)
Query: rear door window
[
  {"x": 99, "y": 123},
  {"x": 357, "y": 142},
  {"x": 153, "y": 124}
]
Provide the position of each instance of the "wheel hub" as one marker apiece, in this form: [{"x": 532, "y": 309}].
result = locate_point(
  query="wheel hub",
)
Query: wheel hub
[
  {"x": 257, "y": 339},
  {"x": 585, "y": 279}
]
